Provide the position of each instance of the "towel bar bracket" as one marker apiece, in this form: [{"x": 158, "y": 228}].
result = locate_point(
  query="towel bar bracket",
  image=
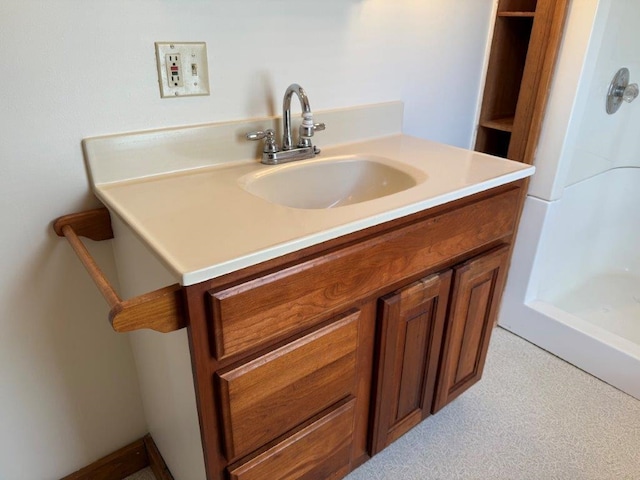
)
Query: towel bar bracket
[{"x": 161, "y": 310}]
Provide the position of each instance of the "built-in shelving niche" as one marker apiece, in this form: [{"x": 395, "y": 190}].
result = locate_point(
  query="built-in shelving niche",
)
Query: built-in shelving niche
[
  {"x": 504, "y": 79},
  {"x": 524, "y": 48}
]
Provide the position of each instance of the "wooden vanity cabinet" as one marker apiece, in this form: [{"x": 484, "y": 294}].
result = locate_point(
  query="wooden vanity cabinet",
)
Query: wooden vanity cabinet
[{"x": 308, "y": 364}]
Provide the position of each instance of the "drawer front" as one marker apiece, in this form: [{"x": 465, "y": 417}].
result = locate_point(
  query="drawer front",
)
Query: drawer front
[
  {"x": 276, "y": 392},
  {"x": 273, "y": 307},
  {"x": 318, "y": 451}
]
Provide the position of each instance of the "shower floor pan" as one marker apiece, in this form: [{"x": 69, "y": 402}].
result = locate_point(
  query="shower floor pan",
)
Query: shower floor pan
[{"x": 609, "y": 300}]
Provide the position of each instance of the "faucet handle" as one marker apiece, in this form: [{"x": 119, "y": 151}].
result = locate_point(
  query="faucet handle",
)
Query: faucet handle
[
  {"x": 259, "y": 135},
  {"x": 269, "y": 136},
  {"x": 307, "y": 128}
]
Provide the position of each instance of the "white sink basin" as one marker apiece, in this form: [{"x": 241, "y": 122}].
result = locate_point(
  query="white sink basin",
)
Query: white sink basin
[{"x": 331, "y": 182}]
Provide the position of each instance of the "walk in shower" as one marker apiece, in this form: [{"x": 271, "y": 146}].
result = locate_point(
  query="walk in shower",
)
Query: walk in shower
[{"x": 574, "y": 287}]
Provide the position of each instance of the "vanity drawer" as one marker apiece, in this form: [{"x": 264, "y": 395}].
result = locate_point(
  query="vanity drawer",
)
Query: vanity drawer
[
  {"x": 272, "y": 394},
  {"x": 320, "y": 450},
  {"x": 275, "y": 306}
]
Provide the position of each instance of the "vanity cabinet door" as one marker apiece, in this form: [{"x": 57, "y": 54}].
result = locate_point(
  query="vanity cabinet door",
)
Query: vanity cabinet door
[
  {"x": 411, "y": 326},
  {"x": 477, "y": 287}
]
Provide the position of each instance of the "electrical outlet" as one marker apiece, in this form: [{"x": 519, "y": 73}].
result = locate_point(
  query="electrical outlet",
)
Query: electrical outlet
[
  {"x": 182, "y": 69},
  {"x": 174, "y": 70}
]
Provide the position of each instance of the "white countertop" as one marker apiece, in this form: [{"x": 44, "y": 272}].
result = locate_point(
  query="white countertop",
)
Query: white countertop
[{"x": 202, "y": 224}]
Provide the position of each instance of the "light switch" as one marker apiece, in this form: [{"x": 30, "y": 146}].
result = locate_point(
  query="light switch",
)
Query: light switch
[{"x": 182, "y": 68}]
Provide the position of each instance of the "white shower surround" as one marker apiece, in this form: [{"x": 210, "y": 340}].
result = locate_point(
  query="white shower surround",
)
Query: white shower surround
[
  {"x": 574, "y": 285},
  {"x": 571, "y": 306}
]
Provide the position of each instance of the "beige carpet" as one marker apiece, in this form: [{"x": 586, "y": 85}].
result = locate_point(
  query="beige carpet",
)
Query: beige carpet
[
  {"x": 145, "y": 474},
  {"x": 532, "y": 416}
]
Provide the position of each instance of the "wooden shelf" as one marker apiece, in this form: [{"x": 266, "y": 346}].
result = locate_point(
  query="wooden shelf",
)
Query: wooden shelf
[
  {"x": 504, "y": 124},
  {"x": 517, "y": 14},
  {"x": 525, "y": 43}
]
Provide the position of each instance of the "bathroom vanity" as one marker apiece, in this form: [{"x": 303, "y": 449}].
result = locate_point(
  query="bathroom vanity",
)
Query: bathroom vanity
[
  {"x": 314, "y": 336},
  {"x": 293, "y": 359}
]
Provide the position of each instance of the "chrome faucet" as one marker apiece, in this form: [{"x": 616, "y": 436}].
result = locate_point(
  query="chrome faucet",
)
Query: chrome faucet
[
  {"x": 271, "y": 154},
  {"x": 305, "y": 131}
]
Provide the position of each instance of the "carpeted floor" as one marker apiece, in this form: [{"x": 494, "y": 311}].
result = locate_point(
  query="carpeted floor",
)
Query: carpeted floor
[
  {"x": 532, "y": 416},
  {"x": 144, "y": 474}
]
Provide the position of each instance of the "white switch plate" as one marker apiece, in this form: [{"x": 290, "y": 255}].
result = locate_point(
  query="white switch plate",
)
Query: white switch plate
[{"x": 190, "y": 74}]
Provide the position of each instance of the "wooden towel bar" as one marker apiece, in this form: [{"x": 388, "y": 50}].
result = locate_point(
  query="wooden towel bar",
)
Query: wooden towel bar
[{"x": 161, "y": 310}]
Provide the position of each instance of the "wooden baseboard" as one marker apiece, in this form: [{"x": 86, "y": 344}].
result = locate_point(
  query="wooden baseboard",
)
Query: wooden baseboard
[
  {"x": 156, "y": 462},
  {"x": 126, "y": 461}
]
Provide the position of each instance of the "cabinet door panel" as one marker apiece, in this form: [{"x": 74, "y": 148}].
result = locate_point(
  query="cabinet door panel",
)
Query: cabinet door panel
[
  {"x": 471, "y": 340},
  {"x": 476, "y": 292},
  {"x": 268, "y": 396},
  {"x": 411, "y": 335}
]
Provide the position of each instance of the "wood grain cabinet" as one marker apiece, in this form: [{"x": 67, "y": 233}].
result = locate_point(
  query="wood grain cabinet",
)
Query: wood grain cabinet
[{"x": 310, "y": 363}]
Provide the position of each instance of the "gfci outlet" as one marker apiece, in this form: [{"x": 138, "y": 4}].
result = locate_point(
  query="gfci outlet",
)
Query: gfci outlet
[{"x": 182, "y": 68}]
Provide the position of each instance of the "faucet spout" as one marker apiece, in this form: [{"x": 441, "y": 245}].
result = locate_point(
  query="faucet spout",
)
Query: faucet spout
[
  {"x": 287, "y": 142},
  {"x": 271, "y": 154}
]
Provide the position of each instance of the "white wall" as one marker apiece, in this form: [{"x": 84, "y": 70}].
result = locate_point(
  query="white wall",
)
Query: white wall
[{"x": 77, "y": 68}]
